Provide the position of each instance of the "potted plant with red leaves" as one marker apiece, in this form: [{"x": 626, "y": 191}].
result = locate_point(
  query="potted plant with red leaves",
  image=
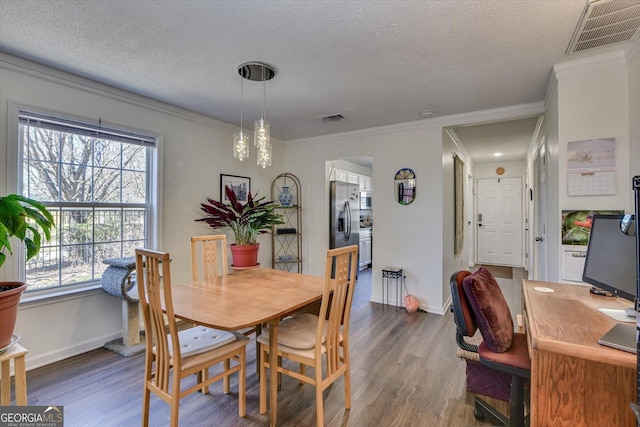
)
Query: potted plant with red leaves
[
  {"x": 26, "y": 220},
  {"x": 257, "y": 216}
]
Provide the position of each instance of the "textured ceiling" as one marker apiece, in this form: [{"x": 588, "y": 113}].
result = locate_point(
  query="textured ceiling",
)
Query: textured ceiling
[{"x": 374, "y": 62}]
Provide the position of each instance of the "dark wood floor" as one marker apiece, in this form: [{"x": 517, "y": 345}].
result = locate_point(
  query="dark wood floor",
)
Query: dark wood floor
[{"x": 404, "y": 373}]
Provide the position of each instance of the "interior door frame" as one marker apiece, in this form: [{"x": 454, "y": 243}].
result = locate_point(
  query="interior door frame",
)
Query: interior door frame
[
  {"x": 522, "y": 214},
  {"x": 540, "y": 219}
]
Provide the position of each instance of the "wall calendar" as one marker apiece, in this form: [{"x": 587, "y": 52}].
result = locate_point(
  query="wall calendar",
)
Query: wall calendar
[{"x": 591, "y": 167}]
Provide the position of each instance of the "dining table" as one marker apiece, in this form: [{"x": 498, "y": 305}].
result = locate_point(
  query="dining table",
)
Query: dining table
[{"x": 248, "y": 298}]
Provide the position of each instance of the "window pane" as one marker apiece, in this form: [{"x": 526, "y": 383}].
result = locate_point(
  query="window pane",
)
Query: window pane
[
  {"x": 133, "y": 225},
  {"x": 108, "y": 225},
  {"x": 108, "y": 154},
  {"x": 107, "y": 184},
  {"x": 134, "y": 187},
  {"x": 76, "y": 263},
  {"x": 42, "y": 271},
  {"x": 41, "y": 180},
  {"x": 75, "y": 149},
  {"x": 134, "y": 157},
  {"x": 76, "y": 226}
]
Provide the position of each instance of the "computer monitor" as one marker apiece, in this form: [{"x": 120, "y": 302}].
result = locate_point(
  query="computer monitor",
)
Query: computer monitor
[
  {"x": 611, "y": 265},
  {"x": 611, "y": 256}
]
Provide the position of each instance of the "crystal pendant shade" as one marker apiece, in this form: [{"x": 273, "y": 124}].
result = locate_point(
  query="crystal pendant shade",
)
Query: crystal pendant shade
[{"x": 240, "y": 146}]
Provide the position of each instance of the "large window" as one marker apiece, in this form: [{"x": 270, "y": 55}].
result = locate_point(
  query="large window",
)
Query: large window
[{"x": 96, "y": 183}]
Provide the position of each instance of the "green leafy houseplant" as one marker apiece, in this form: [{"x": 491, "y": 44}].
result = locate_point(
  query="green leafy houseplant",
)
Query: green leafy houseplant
[
  {"x": 25, "y": 219},
  {"x": 15, "y": 213},
  {"x": 245, "y": 220}
]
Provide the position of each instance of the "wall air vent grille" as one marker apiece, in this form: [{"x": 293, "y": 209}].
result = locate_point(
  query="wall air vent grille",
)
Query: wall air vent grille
[{"x": 605, "y": 23}]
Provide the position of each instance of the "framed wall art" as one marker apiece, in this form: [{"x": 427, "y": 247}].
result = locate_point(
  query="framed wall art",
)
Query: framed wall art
[
  {"x": 241, "y": 186},
  {"x": 458, "y": 172}
]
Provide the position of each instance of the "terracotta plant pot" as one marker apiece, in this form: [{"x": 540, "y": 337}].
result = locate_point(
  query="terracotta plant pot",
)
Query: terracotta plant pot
[
  {"x": 245, "y": 256},
  {"x": 9, "y": 309}
]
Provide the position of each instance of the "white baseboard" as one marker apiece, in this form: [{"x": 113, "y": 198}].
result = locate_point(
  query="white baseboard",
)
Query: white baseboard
[{"x": 64, "y": 353}]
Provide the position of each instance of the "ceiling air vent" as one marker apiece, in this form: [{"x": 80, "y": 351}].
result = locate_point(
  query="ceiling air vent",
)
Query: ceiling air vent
[
  {"x": 332, "y": 119},
  {"x": 605, "y": 23}
]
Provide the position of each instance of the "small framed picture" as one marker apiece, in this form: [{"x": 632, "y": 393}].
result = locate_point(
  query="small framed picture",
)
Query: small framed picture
[{"x": 241, "y": 186}]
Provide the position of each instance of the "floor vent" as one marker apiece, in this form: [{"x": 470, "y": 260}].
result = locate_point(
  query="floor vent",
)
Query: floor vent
[{"x": 605, "y": 23}]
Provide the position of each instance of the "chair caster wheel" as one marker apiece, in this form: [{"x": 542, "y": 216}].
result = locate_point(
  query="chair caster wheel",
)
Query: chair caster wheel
[{"x": 478, "y": 415}]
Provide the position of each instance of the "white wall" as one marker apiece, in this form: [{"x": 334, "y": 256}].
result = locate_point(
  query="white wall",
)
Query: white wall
[
  {"x": 511, "y": 169},
  {"x": 593, "y": 102},
  {"x": 196, "y": 150},
  {"x": 407, "y": 236}
]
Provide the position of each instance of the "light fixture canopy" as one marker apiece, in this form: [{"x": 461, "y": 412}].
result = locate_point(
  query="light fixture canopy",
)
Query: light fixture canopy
[{"x": 260, "y": 72}]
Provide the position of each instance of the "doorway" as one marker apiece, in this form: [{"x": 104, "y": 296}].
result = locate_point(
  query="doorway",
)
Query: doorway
[
  {"x": 500, "y": 214},
  {"x": 357, "y": 174}
]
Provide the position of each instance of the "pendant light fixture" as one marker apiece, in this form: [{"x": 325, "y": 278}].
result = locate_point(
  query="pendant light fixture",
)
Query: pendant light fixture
[
  {"x": 258, "y": 71},
  {"x": 240, "y": 140}
]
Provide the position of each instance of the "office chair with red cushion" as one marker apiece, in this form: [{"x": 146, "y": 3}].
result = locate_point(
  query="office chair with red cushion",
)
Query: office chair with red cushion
[{"x": 478, "y": 303}]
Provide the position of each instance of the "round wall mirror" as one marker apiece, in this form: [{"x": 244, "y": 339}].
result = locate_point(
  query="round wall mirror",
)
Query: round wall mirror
[{"x": 405, "y": 186}]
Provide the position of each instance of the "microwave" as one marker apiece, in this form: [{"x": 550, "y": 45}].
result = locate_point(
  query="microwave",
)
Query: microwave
[{"x": 365, "y": 200}]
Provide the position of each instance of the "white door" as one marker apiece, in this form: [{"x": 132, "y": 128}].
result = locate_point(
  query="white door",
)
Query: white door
[{"x": 500, "y": 225}]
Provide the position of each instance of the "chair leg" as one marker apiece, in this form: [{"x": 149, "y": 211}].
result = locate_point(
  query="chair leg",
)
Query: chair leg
[
  {"x": 145, "y": 406},
  {"x": 263, "y": 378},
  {"x": 242, "y": 392},
  {"x": 516, "y": 402},
  {"x": 174, "y": 411},
  {"x": 347, "y": 379},
  {"x": 301, "y": 370},
  {"x": 483, "y": 410},
  {"x": 319, "y": 401},
  {"x": 203, "y": 376},
  {"x": 226, "y": 387}
]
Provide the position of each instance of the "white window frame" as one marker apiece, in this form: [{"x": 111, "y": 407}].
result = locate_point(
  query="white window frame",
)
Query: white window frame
[{"x": 14, "y": 267}]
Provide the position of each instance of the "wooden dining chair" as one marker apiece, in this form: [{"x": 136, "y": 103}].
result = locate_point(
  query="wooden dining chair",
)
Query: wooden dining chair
[
  {"x": 306, "y": 338},
  {"x": 209, "y": 259},
  {"x": 174, "y": 356},
  {"x": 209, "y": 256}
]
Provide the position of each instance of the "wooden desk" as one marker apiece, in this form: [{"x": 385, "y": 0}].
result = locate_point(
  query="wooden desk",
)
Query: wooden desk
[
  {"x": 574, "y": 380},
  {"x": 248, "y": 298}
]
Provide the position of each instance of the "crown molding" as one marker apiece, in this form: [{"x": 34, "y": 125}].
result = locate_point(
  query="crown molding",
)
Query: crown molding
[
  {"x": 472, "y": 118},
  {"x": 591, "y": 64},
  {"x": 54, "y": 75},
  {"x": 634, "y": 51}
]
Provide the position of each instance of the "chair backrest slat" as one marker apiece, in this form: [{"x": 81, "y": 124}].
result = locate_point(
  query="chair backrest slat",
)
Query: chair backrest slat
[{"x": 211, "y": 251}]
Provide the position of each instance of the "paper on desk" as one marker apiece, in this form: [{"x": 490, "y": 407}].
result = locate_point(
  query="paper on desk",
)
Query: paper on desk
[{"x": 617, "y": 314}]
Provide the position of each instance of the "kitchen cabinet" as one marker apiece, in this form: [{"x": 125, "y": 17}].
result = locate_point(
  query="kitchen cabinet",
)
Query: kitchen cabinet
[
  {"x": 365, "y": 249},
  {"x": 345, "y": 176},
  {"x": 364, "y": 182},
  {"x": 286, "y": 239}
]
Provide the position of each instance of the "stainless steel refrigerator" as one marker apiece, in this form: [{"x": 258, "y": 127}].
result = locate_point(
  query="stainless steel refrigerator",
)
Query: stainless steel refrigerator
[{"x": 345, "y": 214}]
